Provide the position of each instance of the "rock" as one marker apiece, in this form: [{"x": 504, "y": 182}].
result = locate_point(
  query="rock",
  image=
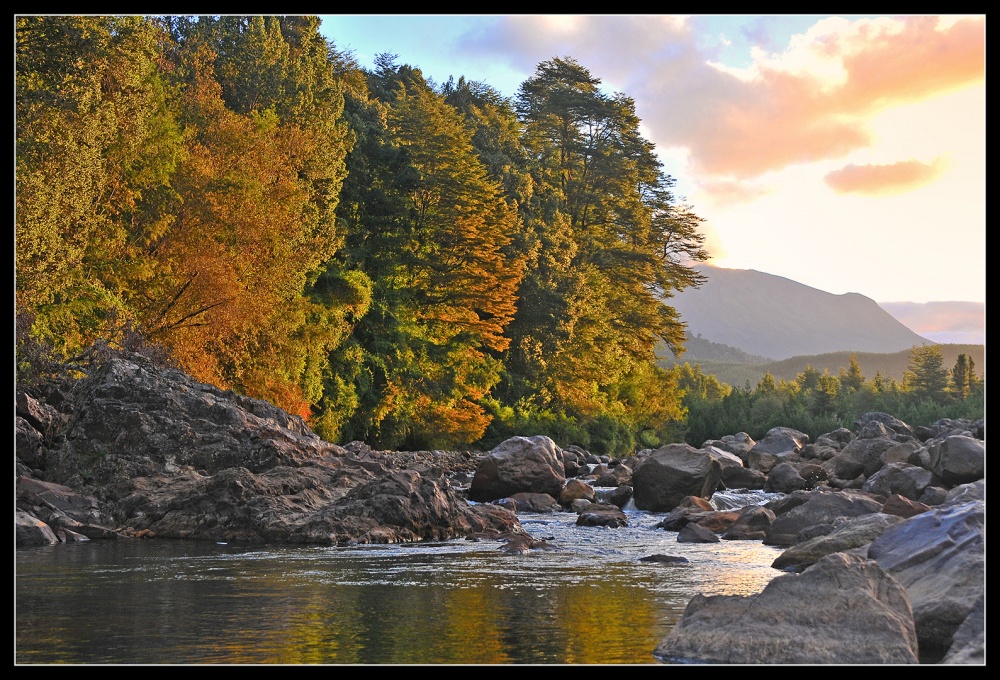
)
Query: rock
[
  {"x": 621, "y": 496},
  {"x": 575, "y": 489},
  {"x": 689, "y": 507},
  {"x": 784, "y": 478},
  {"x": 847, "y": 534},
  {"x": 958, "y": 459},
  {"x": 602, "y": 515},
  {"x": 401, "y": 506},
  {"x": 891, "y": 424},
  {"x": 902, "y": 479},
  {"x": 969, "y": 644},
  {"x": 743, "y": 478},
  {"x": 781, "y": 441},
  {"x": 664, "y": 559},
  {"x": 751, "y": 524},
  {"x": 939, "y": 557},
  {"x": 534, "y": 502},
  {"x": 519, "y": 464},
  {"x": 822, "y": 507},
  {"x": 856, "y": 614},
  {"x": 901, "y": 506},
  {"x": 30, "y": 532},
  {"x": 669, "y": 474},
  {"x": 695, "y": 533},
  {"x": 738, "y": 444}
]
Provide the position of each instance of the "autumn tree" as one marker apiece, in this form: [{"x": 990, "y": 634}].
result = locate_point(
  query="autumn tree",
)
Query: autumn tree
[
  {"x": 95, "y": 152},
  {"x": 430, "y": 228},
  {"x": 255, "y": 216}
]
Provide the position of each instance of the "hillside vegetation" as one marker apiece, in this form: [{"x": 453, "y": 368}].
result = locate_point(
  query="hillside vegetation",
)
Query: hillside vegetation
[{"x": 746, "y": 368}]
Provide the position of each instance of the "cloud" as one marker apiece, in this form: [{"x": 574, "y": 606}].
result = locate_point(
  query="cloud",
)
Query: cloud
[
  {"x": 957, "y": 322},
  {"x": 884, "y": 179},
  {"x": 805, "y": 104},
  {"x": 726, "y": 192}
]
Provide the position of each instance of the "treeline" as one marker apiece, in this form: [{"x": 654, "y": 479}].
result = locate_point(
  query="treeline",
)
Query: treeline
[
  {"x": 731, "y": 365},
  {"x": 411, "y": 264},
  {"x": 816, "y": 402}
]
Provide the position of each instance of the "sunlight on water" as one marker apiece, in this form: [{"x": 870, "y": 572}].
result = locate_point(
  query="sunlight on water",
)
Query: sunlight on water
[{"x": 589, "y": 599}]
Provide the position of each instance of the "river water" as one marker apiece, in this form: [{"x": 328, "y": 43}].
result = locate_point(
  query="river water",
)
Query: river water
[{"x": 590, "y": 600}]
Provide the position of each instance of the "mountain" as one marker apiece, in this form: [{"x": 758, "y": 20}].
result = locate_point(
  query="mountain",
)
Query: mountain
[{"x": 771, "y": 316}]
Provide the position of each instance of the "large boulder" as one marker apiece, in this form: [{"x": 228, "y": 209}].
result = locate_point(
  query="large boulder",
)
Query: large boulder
[
  {"x": 781, "y": 442},
  {"x": 30, "y": 531},
  {"x": 847, "y": 534},
  {"x": 939, "y": 557},
  {"x": 958, "y": 459},
  {"x": 666, "y": 476},
  {"x": 531, "y": 464},
  {"x": 900, "y": 478},
  {"x": 842, "y": 610},
  {"x": 403, "y": 506},
  {"x": 751, "y": 524},
  {"x": 822, "y": 507},
  {"x": 137, "y": 419}
]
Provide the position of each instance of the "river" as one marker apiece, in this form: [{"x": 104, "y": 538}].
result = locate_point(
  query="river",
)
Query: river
[{"x": 590, "y": 600}]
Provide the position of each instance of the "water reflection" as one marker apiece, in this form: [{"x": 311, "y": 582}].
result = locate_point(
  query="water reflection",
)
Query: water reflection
[{"x": 588, "y": 601}]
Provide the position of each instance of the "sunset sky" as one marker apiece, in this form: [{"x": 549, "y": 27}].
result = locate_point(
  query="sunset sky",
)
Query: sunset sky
[{"x": 847, "y": 153}]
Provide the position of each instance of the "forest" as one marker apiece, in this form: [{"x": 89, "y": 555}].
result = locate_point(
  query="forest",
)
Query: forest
[{"x": 412, "y": 264}]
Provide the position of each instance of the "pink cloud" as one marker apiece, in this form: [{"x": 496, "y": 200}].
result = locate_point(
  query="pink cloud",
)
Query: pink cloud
[
  {"x": 744, "y": 127},
  {"x": 883, "y": 179}
]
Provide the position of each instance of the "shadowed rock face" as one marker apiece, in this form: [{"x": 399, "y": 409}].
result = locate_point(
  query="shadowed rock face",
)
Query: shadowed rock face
[
  {"x": 670, "y": 474},
  {"x": 151, "y": 452},
  {"x": 856, "y": 614},
  {"x": 939, "y": 557}
]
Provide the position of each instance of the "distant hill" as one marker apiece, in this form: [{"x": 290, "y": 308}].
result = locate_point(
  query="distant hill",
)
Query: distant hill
[
  {"x": 890, "y": 365},
  {"x": 774, "y": 317}
]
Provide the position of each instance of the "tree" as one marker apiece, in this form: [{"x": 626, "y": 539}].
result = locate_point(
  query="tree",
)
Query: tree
[
  {"x": 611, "y": 245},
  {"x": 96, "y": 150},
  {"x": 926, "y": 376},
  {"x": 430, "y": 228},
  {"x": 852, "y": 379}
]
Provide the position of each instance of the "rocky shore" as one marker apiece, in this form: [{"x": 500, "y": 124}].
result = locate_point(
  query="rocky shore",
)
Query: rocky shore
[{"x": 883, "y": 525}]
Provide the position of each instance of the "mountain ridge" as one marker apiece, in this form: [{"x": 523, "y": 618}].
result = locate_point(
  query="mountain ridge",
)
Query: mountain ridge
[{"x": 775, "y": 317}]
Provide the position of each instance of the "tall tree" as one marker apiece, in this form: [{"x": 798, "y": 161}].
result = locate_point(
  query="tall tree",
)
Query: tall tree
[
  {"x": 430, "y": 229},
  {"x": 255, "y": 219},
  {"x": 612, "y": 244},
  {"x": 96, "y": 149},
  {"x": 926, "y": 375}
]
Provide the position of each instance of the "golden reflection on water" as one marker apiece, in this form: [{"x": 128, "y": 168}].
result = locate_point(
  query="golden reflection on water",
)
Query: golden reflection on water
[{"x": 370, "y": 607}]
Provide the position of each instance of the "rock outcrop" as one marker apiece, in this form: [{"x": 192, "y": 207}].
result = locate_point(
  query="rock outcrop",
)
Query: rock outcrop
[{"x": 842, "y": 610}]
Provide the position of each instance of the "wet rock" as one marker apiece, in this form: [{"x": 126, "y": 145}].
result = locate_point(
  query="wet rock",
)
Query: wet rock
[{"x": 602, "y": 515}]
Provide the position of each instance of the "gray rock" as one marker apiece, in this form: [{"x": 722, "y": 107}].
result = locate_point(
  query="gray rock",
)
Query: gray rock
[
  {"x": 958, "y": 459},
  {"x": 30, "y": 531},
  {"x": 939, "y": 558},
  {"x": 856, "y": 614},
  {"x": 671, "y": 473},
  {"x": 602, "y": 515},
  {"x": 519, "y": 464},
  {"x": 822, "y": 508},
  {"x": 847, "y": 534}
]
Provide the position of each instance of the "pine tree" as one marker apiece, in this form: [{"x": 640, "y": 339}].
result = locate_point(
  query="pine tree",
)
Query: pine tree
[{"x": 926, "y": 376}]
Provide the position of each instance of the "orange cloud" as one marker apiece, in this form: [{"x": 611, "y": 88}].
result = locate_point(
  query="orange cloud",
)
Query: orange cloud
[
  {"x": 725, "y": 192},
  {"x": 810, "y": 103},
  {"x": 883, "y": 179}
]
